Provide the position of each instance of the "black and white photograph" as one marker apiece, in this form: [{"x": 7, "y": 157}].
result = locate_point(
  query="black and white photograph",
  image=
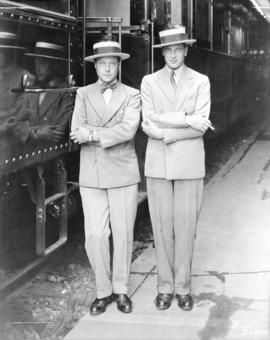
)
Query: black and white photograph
[{"x": 135, "y": 170}]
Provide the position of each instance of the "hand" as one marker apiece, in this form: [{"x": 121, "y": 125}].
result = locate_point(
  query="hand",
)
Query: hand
[
  {"x": 80, "y": 135},
  {"x": 48, "y": 133},
  {"x": 7, "y": 125},
  {"x": 152, "y": 130},
  {"x": 198, "y": 122}
]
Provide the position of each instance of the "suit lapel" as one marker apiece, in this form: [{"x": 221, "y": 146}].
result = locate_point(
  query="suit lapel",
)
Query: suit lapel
[
  {"x": 163, "y": 81},
  {"x": 118, "y": 96},
  {"x": 184, "y": 84},
  {"x": 96, "y": 98}
]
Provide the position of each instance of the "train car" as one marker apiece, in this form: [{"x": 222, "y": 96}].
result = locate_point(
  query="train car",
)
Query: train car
[
  {"x": 38, "y": 162},
  {"x": 38, "y": 41}
]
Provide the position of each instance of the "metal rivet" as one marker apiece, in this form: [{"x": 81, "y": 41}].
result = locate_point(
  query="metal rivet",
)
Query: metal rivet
[
  {"x": 45, "y": 150},
  {"x": 6, "y": 161},
  {"x": 13, "y": 159},
  {"x": 26, "y": 156}
]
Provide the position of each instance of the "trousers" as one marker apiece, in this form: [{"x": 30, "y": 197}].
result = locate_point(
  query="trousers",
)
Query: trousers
[
  {"x": 174, "y": 207},
  {"x": 109, "y": 211}
]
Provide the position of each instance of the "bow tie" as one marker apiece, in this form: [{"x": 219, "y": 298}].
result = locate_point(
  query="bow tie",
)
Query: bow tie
[{"x": 105, "y": 86}]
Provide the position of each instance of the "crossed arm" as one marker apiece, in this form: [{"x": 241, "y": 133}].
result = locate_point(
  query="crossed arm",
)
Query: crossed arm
[
  {"x": 173, "y": 126},
  {"x": 105, "y": 136}
]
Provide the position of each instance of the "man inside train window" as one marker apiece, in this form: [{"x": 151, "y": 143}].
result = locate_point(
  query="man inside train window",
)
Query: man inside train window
[
  {"x": 43, "y": 117},
  {"x": 104, "y": 122},
  {"x": 10, "y": 77},
  {"x": 176, "y": 107}
]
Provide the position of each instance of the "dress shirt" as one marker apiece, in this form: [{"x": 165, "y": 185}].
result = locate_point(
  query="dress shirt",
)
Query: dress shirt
[
  {"x": 177, "y": 73},
  {"x": 107, "y": 94}
]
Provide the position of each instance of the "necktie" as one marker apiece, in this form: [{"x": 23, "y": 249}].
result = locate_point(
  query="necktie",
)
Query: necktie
[
  {"x": 173, "y": 80},
  {"x": 105, "y": 86}
]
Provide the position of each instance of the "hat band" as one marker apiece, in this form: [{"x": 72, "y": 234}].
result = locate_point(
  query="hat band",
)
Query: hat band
[
  {"x": 48, "y": 52},
  {"x": 10, "y": 42},
  {"x": 173, "y": 38},
  {"x": 107, "y": 50}
]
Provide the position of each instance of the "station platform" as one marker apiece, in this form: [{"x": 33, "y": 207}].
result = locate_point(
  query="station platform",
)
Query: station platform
[{"x": 231, "y": 264}]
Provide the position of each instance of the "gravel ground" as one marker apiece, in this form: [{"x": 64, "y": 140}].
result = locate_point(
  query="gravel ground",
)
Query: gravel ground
[{"x": 55, "y": 299}]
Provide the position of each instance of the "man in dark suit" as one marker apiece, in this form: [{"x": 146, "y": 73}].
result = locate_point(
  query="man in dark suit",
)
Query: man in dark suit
[
  {"x": 10, "y": 77},
  {"x": 104, "y": 122},
  {"x": 42, "y": 119},
  {"x": 176, "y": 106}
]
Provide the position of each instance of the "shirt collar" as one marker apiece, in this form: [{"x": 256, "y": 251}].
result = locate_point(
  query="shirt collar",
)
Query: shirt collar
[
  {"x": 177, "y": 72},
  {"x": 113, "y": 82}
]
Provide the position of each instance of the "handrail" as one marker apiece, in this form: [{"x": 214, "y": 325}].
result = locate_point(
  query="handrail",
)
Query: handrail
[
  {"x": 116, "y": 20},
  {"x": 44, "y": 90}
]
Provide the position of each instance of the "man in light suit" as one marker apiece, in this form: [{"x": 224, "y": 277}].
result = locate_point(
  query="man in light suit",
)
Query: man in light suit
[
  {"x": 176, "y": 106},
  {"x": 104, "y": 122}
]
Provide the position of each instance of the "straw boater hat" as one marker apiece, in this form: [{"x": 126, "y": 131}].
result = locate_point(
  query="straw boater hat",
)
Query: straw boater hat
[
  {"x": 107, "y": 49},
  {"x": 174, "y": 36},
  {"x": 47, "y": 50},
  {"x": 8, "y": 41}
]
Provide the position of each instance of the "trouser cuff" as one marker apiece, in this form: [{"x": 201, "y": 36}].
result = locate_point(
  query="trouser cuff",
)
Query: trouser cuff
[{"x": 103, "y": 294}]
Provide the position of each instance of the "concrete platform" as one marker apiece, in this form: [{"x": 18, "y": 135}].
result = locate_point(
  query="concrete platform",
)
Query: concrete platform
[{"x": 231, "y": 266}]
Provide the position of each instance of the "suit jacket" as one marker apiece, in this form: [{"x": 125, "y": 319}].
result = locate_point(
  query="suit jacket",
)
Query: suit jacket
[
  {"x": 181, "y": 154},
  {"x": 10, "y": 78},
  {"x": 54, "y": 110},
  {"x": 112, "y": 162}
]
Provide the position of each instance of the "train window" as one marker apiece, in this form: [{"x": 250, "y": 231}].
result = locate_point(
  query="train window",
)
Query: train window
[
  {"x": 220, "y": 27},
  {"x": 35, "y": 100},
  {"x": 238, "y": 31},
  {"x": 201, "y": 22}
]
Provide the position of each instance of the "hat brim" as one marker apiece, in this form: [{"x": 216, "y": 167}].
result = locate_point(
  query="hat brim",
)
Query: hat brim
[
  {"x": 12, "y": 47},
  {"x": 187, "y": 41},
  {"x": 44, "y": 56},
  {"x": 122, "y": 56}
]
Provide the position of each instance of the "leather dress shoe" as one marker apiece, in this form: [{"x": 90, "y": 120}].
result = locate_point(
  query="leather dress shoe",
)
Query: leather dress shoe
[
  {"x": 124, "y": 303},
  {"x": 185, "y": 302},
  {"x": 99, "y": 306},
  {"x": 163, "y": 301}
]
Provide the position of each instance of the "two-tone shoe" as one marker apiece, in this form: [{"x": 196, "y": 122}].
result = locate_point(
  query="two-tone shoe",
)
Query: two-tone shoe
[
  {"x": 124, "y": 304},
  {"x": 163, "y": 301},
  {"x": 185, "y": 302},
  {"x": 99, "y": 306}
]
